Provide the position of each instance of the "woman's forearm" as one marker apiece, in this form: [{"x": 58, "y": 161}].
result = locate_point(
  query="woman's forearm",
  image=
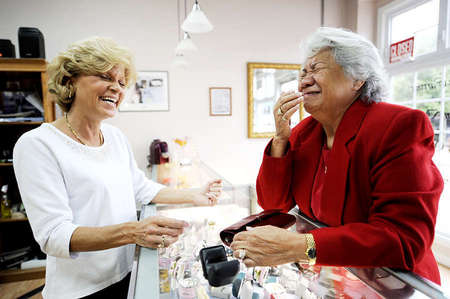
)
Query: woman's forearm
[
  {"x": 278, "y": 147},
  {"x": 153, "y": 232},
  {"x": 174, "y": 196},
  {"x": 99, "y": 238}
]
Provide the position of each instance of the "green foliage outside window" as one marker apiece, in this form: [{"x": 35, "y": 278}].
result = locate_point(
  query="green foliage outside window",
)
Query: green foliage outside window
[
  {"x": 429, "y": 83},
  {"x": 403, "y": 87}
]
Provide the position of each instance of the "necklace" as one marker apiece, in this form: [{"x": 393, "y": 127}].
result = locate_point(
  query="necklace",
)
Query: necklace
[
  {"x": 325, "y": 152},
  {"x": 77, "y": 136}
]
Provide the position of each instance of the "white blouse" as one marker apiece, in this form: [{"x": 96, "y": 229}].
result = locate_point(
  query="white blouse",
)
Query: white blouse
[{"x": 63, "y": 185}]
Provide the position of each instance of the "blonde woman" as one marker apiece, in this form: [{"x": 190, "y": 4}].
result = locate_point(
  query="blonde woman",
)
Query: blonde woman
[{"x": 79, "y": 181}]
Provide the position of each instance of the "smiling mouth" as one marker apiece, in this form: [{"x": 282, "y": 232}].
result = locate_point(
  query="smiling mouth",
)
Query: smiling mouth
[
  {"x": 109, "y": 100},
  {"x": 306, "y": 95}
]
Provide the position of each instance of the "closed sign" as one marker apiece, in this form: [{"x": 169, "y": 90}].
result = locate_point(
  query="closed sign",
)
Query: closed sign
[{"x": 402, "y": 50}]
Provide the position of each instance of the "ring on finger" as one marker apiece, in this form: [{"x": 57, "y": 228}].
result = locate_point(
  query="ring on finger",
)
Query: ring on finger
[
  {"x": 241, "y": 254},
  {"x": 279, "y": 111},
  {"x": 284, "y": 118},
  {"x": 163, "y": 243}
]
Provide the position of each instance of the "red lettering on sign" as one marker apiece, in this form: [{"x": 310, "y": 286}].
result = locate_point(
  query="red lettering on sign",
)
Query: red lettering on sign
[{"x": 401, "y": 50}]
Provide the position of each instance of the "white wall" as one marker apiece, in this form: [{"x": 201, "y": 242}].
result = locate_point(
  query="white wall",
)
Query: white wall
[
  {"x": 367, "y": 19},
  {"x": 245, "y": 31}
]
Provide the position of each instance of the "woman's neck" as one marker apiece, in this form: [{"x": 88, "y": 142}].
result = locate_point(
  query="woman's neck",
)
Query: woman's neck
[
  {"x": 330, "y": 127},
  {"x": 87, "y": 128},
  {"x": 329, "y": 136},
  {"x": 330, "y": 124}
]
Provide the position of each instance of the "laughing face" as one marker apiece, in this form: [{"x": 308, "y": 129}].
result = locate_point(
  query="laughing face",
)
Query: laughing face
[
  {"x": 326, "y": 89},
  {"x": 100, "y": 95}
]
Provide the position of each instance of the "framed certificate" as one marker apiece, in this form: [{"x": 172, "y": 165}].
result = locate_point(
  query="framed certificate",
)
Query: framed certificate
[{"x": 219, "y": 101}]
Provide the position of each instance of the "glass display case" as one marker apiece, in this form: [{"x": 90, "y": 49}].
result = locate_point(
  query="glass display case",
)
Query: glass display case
[
  {"x": 176, "y": 272},
  {"x": 367, "y": 282}
]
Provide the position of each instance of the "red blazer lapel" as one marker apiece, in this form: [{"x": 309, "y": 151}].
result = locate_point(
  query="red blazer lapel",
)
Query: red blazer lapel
[
  {"x": 306, "y": 155},
  {"x": 335, "y": 187}
]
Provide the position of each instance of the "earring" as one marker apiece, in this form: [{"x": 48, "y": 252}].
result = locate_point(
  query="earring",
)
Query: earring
[{"x": 70, "y": 93}]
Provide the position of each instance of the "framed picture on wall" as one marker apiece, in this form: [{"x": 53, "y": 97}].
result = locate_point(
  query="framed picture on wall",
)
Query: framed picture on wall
[
  {"x": 149, "y": 93},
  {"x": 219, "y": 101}
]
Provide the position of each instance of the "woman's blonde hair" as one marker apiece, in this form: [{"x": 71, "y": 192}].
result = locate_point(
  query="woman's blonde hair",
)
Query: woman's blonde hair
[{"x": 87, "y": 57}]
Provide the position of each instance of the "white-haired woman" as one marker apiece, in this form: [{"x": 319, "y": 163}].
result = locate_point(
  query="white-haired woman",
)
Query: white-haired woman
[
  {"x": 79, "y": 181},
  {"x": 361, "y": 166}
]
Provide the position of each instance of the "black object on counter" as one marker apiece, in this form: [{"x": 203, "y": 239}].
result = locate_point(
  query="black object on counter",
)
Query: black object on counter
[
  {"x": 7, "y": 49},
  {"x": 216, "y": 268},
  {"x": 31, "y": 43}
]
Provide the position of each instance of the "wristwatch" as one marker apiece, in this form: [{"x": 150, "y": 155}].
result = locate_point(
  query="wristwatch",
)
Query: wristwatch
[{"x": 310, "y": 249}]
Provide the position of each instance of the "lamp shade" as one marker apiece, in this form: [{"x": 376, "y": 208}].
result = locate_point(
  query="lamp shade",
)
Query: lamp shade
[
  {"x": 185, "y": 45},
  {"x": 196, "y": 21},
  {"x": 180, "y": 61}
]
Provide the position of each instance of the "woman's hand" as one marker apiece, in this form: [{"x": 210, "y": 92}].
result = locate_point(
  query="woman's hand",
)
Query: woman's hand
[
  {"x": 158, "y": 231},
  {"x": 286, "y": 105},
  {"x": 269, "y": 246},
  {"x": 208, "y": 195}
]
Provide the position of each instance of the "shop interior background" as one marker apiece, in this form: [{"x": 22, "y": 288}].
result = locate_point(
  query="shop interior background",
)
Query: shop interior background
[{"x": 244, "y": 31}]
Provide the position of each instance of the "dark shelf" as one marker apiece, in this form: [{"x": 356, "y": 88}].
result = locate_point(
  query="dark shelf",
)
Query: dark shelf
[
  {"x": 5, "y": 220},
  {"x": 28, "y": 76},
  {"x": 21, "y": 123},
  {"x": 19, "y": 275}
]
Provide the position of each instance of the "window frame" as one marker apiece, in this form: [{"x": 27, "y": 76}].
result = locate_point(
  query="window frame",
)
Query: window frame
[{"x": 440, "y": 57}]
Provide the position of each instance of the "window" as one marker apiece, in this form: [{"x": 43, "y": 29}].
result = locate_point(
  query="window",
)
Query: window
[
  {"x": 413, "y": 23},
  {"x": 423, "y": 82}
]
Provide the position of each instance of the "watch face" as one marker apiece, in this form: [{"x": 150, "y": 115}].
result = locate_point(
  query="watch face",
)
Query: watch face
[{"x": 312, "y": 253}]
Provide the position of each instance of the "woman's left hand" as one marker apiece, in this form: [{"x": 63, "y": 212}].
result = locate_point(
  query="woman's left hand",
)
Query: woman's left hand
[
  {"x": 209, "y": 194},
  {"x": 268, "y": 246}
]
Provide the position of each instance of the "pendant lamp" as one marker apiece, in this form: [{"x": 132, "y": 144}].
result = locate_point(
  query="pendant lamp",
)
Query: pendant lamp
[
  {"x": 185, "y": 45},
  {"x": 196, "y": 21},
  {"x": 180, "y": 61}
]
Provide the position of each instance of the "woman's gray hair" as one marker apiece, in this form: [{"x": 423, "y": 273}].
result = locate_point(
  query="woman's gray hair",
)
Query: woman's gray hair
[{"x": 356, "y": 55}]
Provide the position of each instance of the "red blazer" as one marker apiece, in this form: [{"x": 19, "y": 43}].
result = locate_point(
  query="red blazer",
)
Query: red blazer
[{"x": 381, "y": 188}]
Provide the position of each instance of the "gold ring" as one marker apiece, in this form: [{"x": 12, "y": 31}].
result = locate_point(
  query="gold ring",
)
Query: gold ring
[
  {"x": 283, "y": 118},
  {"x": 279, "y": 111},
  {"x": 163, "y": 243}
]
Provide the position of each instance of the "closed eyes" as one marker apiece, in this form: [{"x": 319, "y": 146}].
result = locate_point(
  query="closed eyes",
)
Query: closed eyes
[
  {"x": 315, "y": 67},
  {"x": 109, "y": 78}
]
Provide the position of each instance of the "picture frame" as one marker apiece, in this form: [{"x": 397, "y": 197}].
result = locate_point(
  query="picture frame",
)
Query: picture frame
[
  {"x": 220, "y": 103},
  {"x": 265, "y": 82},
  {"x": 149, "y": 93}
]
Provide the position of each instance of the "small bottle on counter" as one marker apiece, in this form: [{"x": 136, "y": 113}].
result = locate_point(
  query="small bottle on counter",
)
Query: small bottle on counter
[
  {"x": 187, "y": 281},
  {"x": 164, "y": 275},
  {"x": 5, "y": 203}
]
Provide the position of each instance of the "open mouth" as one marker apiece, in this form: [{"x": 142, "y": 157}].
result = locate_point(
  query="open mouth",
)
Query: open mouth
[
  {"x": 311, "y": 93},
  {"x": 111, "y": 101}
]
